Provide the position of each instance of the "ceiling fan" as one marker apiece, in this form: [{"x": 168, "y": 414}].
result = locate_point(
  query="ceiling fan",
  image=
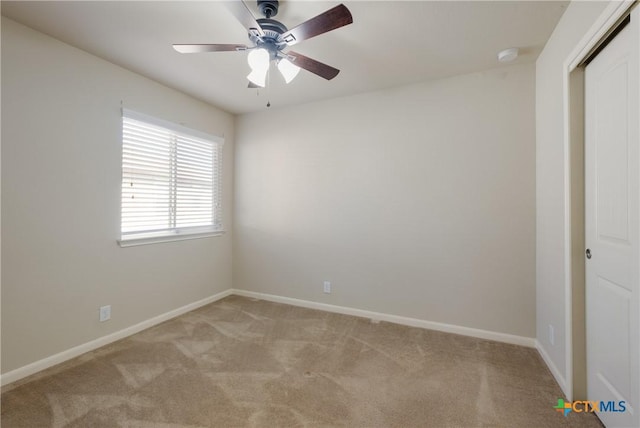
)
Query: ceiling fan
[{"x": 271, "y": 37}]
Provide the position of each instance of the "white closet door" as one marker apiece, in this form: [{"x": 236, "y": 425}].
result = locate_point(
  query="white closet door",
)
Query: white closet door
[{"x": 612, "y": 219}]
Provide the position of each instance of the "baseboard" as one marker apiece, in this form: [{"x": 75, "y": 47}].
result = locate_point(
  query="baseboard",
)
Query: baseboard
[
  {"x": 76, "y": 351},
  {"x": 412, "y": 322},
  {"x": 562, "y": 382}
]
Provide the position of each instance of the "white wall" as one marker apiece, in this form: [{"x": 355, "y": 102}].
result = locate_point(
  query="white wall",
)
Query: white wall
[
  {"x": 61, "y": 154},
  {"x": 415, "y": 201},
  {"x": 550, "y": 182}
]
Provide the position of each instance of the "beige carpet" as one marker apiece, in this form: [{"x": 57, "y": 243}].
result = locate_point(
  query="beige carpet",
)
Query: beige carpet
[{"x": 243, "y": 362}]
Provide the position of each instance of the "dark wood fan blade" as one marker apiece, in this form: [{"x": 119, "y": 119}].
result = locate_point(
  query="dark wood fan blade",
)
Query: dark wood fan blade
[
  {"x": 208, "y": 48},
  {"x": 244, "y": 15},
  {"x": 336, "y": 17},
  {"x": 316, "y": 67}
]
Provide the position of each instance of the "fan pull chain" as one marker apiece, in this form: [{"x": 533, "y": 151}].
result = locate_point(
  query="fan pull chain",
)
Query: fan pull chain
[{"x": 268, "y": 87}]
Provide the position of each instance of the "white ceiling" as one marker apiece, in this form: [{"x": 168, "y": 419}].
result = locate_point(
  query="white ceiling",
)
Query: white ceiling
[{"x": 390, "y": 43}]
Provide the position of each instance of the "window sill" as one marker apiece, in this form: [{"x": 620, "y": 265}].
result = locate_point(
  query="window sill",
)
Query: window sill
[{"x": 146, "y": 240}]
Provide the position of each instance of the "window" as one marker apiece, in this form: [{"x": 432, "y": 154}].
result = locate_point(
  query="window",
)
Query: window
[{"x": 170, "y": 181}]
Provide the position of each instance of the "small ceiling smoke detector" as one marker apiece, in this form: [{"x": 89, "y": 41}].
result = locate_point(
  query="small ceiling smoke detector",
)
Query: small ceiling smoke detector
[{"x": 508, "y": 55}]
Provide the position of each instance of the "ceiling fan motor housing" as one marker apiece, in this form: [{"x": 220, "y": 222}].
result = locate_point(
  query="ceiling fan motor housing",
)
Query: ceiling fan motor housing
[
  {"x": 272, "y": 39},
  {"x": 268, "y": 8}
]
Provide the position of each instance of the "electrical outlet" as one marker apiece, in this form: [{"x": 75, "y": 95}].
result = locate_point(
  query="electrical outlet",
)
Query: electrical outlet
[
  {"x": 327, "y": 287},
  {"x": 552, "y": 338},
  {"x": 105, "y": 313}
]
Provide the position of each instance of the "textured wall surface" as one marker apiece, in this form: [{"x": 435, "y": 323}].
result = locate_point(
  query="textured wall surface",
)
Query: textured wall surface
[
  {"x": 61, "y": 175},
  {"x": 415, "y": 201}
]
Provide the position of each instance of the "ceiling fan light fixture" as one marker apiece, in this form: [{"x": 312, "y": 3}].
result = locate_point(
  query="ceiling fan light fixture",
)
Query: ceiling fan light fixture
[
  {"x": 288, "y": 70},
  {"x": 258, "y": 60},
  {"x": 258, "y": 78}
]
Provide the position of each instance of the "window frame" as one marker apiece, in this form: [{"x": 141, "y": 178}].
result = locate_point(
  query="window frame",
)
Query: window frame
[{"x": 171, "y": 234}]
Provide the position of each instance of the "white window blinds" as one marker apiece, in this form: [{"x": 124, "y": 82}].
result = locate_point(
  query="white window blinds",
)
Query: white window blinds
[{"x": 170, "y": 179}]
